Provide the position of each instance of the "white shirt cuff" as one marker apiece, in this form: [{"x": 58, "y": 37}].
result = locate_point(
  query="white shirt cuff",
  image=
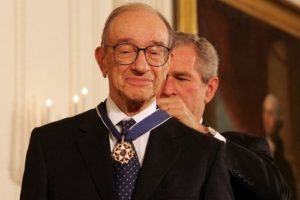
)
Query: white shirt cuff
[{"x": 220, "y": 137}]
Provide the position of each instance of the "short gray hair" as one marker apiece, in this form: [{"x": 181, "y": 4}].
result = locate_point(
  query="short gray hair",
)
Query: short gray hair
[
  {"x": 134, "y": 6},
  {"x": 205, "y": 51}
]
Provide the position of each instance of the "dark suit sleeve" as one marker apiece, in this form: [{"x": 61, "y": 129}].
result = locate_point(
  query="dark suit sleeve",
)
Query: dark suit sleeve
[
  {"x": 218, "y": 184},
  {"x": 252, "y": 170},
  {"x": 34, "y": 184}
]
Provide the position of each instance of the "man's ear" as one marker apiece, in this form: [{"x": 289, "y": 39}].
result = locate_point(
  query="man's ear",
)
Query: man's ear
[
  {"x": 99, "y": 55},
  {"x": 171, "y": 56},
  {"x": 211, "y": 88}
]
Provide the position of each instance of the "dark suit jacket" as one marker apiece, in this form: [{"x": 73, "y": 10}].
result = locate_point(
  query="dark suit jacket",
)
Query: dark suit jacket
[
  {"x": 253, "y": 173},
  {"x": 71, "y": 160},
  {"x": 283, "y": 165}
]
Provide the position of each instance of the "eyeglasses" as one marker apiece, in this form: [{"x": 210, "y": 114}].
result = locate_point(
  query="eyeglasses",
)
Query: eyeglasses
[{"x": 125, "y": 54}]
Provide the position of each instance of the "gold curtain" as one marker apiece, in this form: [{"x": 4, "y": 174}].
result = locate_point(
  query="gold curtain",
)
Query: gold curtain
[{"x": 186, "y": 16}]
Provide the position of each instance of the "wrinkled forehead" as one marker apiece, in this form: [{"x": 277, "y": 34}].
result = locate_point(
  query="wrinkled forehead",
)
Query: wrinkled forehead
[
  {"x": 184, "y": 59},
  {"x": 140, "y": 27}
]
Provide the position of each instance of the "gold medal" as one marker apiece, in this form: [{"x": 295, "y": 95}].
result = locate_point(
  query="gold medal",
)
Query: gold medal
[{"x": 123, "y": 152}]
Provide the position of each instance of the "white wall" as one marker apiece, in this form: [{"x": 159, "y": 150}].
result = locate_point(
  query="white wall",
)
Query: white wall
[{"x": 47, "y": 51}]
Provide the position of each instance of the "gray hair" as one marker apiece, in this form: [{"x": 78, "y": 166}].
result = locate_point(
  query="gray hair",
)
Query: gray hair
[
  {"x": 134, "y": 6},
  {"x": 208, "y": 68}
]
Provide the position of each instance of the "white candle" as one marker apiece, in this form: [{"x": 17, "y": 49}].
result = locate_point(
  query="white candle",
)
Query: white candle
[
  {"x": 49, "y": 104},
  {"x": 84, "y": 92},
  {"x": 75, "y": 101}
]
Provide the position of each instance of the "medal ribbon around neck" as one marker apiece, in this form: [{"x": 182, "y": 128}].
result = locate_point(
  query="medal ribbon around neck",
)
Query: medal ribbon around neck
[{"x": 150, "y": 122}]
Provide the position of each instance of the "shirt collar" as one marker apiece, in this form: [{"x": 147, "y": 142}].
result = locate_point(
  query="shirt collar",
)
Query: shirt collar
[{"x": 116, "y": 115}]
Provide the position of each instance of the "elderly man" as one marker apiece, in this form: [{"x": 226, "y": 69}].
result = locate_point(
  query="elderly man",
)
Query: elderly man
[
  {"x": 100, "y": 155},
  {"x": 191, "y": 83}
]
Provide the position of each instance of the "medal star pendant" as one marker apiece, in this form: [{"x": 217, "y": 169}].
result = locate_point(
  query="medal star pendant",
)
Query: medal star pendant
[{"x": 123, "y": 152}]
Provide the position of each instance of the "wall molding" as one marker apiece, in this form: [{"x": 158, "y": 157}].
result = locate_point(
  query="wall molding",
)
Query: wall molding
[
  {"x": 280, "y": 15},
  {"x": 18, "y": 136},
  {"x": 74, "y": 48}
]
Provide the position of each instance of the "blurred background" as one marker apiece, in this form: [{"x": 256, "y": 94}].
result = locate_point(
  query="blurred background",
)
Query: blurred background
[{"x": 48, "y": 71}]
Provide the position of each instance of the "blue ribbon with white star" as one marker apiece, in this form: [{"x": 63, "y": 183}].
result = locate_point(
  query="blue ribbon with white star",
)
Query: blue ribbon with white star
[{"x": 150, "y": 122}]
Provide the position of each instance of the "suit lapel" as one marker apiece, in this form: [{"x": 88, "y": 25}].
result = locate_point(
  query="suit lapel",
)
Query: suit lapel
[
  {"x": 161, "y": 152},
  {"x": 95, "y": 150}
]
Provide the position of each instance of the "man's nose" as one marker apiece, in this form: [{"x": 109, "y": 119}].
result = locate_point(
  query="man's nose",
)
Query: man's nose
[
  {"x": 168, "y": 89},
  {"x": 141, "y": 65}
]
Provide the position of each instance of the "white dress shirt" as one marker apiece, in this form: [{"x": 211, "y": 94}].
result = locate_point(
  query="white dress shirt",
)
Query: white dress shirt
[
  {"x": 220, "y": 137},
  {"x": 217, "y": 135},
  {"x": 116, "y": 115}
]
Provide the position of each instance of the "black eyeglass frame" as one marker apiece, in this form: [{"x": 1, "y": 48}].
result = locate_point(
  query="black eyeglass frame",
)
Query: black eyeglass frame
[{"x": 138, "y": 51}]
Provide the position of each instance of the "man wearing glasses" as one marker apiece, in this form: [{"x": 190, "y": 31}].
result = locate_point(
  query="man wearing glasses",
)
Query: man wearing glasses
[{"x": 126, "y": 148}]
